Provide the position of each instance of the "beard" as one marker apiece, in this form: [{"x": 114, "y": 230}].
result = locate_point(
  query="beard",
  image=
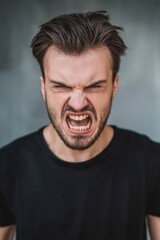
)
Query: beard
[{"x": 78, "y": 142}]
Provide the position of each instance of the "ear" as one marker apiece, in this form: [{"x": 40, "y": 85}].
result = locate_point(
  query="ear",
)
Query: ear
[
  {"x": 115, "y": 86},
  {"x": 43, "y": 87}
]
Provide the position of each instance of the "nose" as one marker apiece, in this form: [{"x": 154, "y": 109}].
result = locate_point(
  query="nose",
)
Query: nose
[{"x": 78, "y": 100}]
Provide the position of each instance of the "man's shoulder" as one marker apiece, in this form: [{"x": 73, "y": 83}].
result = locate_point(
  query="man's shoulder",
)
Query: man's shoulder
[
  {"x": 20, "y": 144},
  {"x": 138, "y": 141},
  {"x": 20, "y": 154},
  {"x": 134, "y": 135}
]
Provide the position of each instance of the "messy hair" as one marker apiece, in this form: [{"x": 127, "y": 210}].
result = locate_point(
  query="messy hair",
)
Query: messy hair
[{"x": 75, "y": 33}]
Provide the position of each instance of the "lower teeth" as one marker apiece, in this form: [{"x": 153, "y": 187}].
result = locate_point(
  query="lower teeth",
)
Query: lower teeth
[{"x": 80, "y": 128}]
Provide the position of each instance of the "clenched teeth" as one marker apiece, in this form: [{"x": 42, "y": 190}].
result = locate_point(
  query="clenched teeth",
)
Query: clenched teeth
[
  {"x": 80, "y": 128},
  {"x": 78, "y": 118}
]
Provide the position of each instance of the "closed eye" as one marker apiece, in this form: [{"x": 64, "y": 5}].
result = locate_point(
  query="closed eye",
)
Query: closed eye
[
  {"x": 97, "y": 85},
  {"x": 59, "y": 86},
  {"x": 95, "y": 88}
]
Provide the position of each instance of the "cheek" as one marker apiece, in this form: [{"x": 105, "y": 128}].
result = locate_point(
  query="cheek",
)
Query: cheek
[
  {"x": 57, "y": 99},
  {"x": 100, "y": 100}
]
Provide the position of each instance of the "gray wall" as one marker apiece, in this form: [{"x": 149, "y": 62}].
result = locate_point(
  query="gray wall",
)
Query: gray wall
[{"x": 137, "y": 104}]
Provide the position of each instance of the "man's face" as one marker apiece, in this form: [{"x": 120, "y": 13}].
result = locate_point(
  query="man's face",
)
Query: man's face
[{"x": 78, "y": 91}]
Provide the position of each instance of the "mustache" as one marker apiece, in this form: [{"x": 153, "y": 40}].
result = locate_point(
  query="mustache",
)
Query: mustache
[{"x": 86, "y": 108}]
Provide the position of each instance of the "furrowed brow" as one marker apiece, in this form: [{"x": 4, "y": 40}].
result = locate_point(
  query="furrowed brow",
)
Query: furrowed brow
[
  {"x": 96, "y": 83},
  {"x": 57, "y": 83}
]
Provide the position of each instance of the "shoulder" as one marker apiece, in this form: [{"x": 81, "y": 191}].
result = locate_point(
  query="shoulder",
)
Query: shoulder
[
  {"x": 19, "y": 147},
  {"x": 138, "y": 149},
  {"x": 137, "y": 141},
  {"x": 16, "y": 158},
  {"x": 141, "y": 155}
]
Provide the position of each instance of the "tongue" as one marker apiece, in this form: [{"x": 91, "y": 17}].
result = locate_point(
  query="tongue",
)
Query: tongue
[{"x": 79, "y": 123}]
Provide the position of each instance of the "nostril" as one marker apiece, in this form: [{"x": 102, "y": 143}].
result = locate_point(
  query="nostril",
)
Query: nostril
[{"x": 78, "y": 103}]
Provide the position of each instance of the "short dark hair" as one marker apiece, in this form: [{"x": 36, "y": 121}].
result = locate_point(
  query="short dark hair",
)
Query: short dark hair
[{"x": 75, "y": 33}]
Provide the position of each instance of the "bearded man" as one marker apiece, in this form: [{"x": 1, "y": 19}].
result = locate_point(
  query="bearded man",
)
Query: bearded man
[{"x": 79, "y": 178}]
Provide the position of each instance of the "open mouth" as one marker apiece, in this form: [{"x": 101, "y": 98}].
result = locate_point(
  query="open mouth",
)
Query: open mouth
[{"x": 80, "y": 122}]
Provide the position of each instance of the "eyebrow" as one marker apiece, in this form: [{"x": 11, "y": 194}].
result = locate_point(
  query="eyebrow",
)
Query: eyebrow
[
  {"x": 98, "y": 82},
  {"x": 58, "y": 83}
]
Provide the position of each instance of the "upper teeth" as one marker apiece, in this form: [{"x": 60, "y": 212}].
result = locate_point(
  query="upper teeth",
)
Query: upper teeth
[{"x": 78, "y": 118}]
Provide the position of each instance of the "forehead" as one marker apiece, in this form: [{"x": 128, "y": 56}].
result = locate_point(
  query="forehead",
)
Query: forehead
[{"x": 93, "y": 64}]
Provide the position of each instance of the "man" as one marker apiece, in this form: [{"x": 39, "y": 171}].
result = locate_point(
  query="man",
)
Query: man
[{"x": 79, "y": 178}]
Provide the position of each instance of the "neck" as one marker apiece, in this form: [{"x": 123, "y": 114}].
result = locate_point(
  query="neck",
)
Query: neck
[{"x": 57, "y": 146}]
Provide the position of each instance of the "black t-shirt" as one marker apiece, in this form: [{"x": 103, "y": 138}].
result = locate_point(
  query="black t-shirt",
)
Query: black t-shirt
[{"x": 106, "y": 197}]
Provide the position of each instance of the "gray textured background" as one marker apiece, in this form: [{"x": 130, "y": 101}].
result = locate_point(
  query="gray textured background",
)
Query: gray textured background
[{"x": 137, "y": 104}]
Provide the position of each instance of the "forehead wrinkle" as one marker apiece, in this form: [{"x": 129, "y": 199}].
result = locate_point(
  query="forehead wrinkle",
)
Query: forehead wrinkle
[{"x": 54, "y": 81}]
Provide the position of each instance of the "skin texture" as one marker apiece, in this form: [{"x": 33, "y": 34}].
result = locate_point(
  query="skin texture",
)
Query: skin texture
[
  {"x": 7, "y": 233},
  {"x": 154, "y": 227},
  {"x": 78, "y": 85}
]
